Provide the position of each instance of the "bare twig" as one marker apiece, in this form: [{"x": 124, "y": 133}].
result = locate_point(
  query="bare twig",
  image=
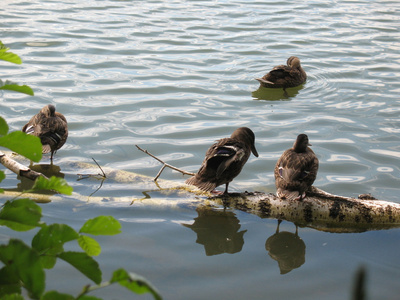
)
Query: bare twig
[
  {"x": 164, "y": 165},
  {"x": 84, "y": 176},
  {"x": 104, "y": 174}
]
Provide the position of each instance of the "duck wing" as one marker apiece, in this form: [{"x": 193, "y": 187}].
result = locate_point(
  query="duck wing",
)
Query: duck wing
[
  {"x": 276, "y": 77},
  {"x": 223, "y": 162},
  {"x": 296, "y": 171}
]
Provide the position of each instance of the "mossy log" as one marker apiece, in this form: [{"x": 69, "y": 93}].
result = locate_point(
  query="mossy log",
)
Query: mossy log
[{"x": 319, "y": 210}]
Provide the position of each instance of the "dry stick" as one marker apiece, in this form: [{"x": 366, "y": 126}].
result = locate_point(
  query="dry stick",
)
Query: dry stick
[
  {"x": 164, "y": 165},
  {"x": 84, "y": 176}
]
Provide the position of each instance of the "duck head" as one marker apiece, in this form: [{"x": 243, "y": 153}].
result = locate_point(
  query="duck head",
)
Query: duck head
[
  {"x": 48, "y": 111},
  {"x": 293, "y": 62},
  {"x": 247, "y": 136},
  {"x": 301, "y": 143}
]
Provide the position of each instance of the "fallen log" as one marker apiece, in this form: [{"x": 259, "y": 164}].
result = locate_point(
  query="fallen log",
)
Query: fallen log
[
  {"x": 18, "y": 168},
  {"x": 319, "y": 210}
]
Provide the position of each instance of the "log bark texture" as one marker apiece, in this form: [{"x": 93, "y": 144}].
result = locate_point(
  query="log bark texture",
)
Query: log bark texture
[
  {"x": 319, "y": 210},
  {"x": 18, "y": 168}
]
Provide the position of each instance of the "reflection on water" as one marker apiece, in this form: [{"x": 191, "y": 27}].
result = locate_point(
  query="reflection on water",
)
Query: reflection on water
[
  {"x": 218, "y": 231},
  {"x": 263, "y": 93},
  {"x": 287, "y": 248},
  {"x": 46, "y": 169}
]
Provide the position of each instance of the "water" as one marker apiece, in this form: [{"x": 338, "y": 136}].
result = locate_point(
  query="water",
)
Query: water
[{"x": 173, "y": 77}]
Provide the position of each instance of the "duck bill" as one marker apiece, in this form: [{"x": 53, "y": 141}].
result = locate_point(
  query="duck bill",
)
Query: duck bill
[{"x": 254, "y": 151}]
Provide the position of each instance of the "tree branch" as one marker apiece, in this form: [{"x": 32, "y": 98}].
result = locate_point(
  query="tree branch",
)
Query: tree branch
[
  {"x": 18, "y": 168},
  {"x": 164, "y": 165}
]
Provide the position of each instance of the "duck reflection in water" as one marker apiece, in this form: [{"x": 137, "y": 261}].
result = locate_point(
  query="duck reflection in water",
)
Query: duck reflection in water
[
  {"x": 218, "y": 231},
  {"x": 47, "y": 170},
  {"x": 270, "y": 94},
  {"x": 287, "y": 248}
]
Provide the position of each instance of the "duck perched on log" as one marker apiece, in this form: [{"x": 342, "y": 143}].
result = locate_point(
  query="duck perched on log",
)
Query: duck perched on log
[
  {"x": 283, "y": 76},
  {"x": 224, "y": 160},
  {"x": 296, "y": 170},
  {"x": 51, "y": 127}
]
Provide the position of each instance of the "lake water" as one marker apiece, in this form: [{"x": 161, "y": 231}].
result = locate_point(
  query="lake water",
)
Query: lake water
[{"x": 174, "y": 76}]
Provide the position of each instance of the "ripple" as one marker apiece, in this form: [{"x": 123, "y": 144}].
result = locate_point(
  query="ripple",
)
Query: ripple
[{"x": 349, "y": 179}]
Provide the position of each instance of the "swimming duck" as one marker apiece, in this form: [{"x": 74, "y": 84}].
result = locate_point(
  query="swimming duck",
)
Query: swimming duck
[
  {"x": 296, "y": 170},
  {"x": 224, "y": 160},
  {"x": 283, "y": 76},
  {"x": 51, "y": 127}
]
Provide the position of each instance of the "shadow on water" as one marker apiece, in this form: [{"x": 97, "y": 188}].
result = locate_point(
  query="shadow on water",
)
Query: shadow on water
[{"x": 270, "y": 94}]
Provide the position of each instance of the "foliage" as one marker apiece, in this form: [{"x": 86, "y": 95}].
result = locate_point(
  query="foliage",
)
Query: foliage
[
  {"x": 8, "y": 85},
  {"x": 23, "y": 265},
  {"x": 25, "y": 144}
]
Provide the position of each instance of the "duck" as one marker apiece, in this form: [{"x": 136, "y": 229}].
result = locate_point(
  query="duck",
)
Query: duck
[
  {"x": 296, "y": 170},
  {"x": 224, "y": 160},
  {"x": 51, "y": 127},
  {"x": 283, "y": 76}
]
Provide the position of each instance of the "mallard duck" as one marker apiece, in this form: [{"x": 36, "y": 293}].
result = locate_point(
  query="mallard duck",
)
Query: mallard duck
[
  {"x": 296, "y": 170},
  {"x": 283, "y": 76},
  {"x": 224, "y": 160},
  {"x": 50, "y": 126}
]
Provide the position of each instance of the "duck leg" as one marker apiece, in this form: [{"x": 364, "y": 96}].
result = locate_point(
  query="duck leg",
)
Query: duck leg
[{"x": 226, "y": 188}]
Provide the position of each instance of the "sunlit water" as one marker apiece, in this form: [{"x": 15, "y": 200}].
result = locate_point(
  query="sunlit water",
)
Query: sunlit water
[{"x": 174, "y": 76}]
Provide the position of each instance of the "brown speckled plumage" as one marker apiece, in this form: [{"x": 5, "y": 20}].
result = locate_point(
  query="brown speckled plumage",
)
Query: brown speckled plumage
[
  {"x": 283, "y": 76},
  {"x": 50, "y": 126},
  {"x": 296, "y": 170},
  {"x": 224, "y": 160}
]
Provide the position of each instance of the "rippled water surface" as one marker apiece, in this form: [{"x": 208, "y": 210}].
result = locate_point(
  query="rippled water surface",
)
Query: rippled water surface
[{"x": 174, "y": 76}]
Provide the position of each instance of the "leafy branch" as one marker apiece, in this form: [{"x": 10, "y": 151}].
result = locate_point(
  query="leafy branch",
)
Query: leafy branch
[{"x": 15, "y": 59}]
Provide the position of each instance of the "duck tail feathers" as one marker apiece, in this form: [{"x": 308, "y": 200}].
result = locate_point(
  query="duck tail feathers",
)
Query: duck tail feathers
[
  {"x": 261, "y": 80},
  {"x": 46, "y": 149},
  {"x": 204, "y": 186},
  {"x": 288, "y": 195}
]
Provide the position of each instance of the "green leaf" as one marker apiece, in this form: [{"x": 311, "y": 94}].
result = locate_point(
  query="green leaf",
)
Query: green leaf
[
  {"x": 9, "y": 56},
  {"x": 9, "y": 282},
  {"x": 24, "y": 144},
  {"x": 53, "y": 183},
  {"x": 50, "y": 239},
  {"x": 102, "y": 225},
  {"x": 2, "y": 176},
  {"x": 89, "y": 245},
  {"x": 11, "y": 86},
  {"x": 12, "y": 297},
  {"x": 3, "y": 126},
  {"x": 134, "y": 283},
  {"x": 84, "y": 263},
  {"x": 24, "y": 263},
  {"x": 21, "y": 214},
  {"x": 51, "y": 295},
  {"x": 86, "y": 297},
  {"x": 48, "y": 261}
]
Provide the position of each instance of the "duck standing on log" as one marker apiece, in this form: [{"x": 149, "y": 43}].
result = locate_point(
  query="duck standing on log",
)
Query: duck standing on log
[
  {"x": 51, "y": 127},
  {"x": 296, "y": 170},
  {"x": 224, "y": 160},
  {"x": 283, "y": 76}
]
